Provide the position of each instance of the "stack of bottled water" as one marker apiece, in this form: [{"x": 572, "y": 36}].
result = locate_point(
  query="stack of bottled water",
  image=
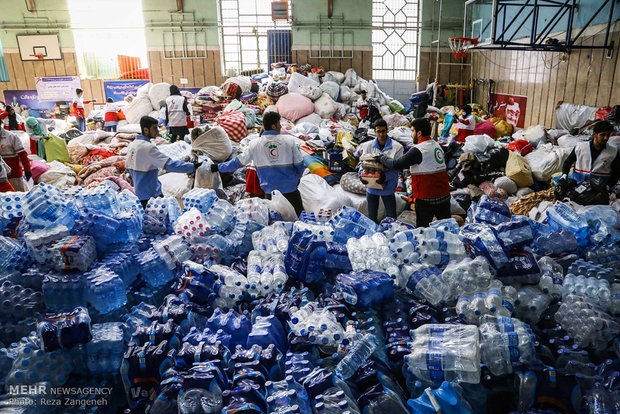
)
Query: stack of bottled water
[
  {"x": 64, "y": 329},
  {"x": 199, "y": 198},
  {"x": 467, "y": 276},
  {"x": 586, "y": 324},
  {"x": 102, "y": 198},
  {"x": 13, "y": 255},
  {"x": 153, "y": 269},
  {"x": 561, "y": 217},
  {"x": 494, "y": 300},
  {"x": 488, "y": 211},
  {"x": 389, "y": 227},
  {"x": 590, "y": 268},
  {"x": 105, "y": 290},
  {"x": 530, "y": 304},
  {"x": 286, "y": 394},
  {"x": 273, "y": 238},
  {"x": 45, "y": 206},
  {"x": 266, "y": 273},
  {"x": 593, "y": 290},
  {"x": 445, "y": 353},
  {"x": 19, "y": 302},
  {"x": 556, "y": 242},
  {"x": 482, "y": 240},
  {"x": 348, "y": 223},
  {"x": 323, "y": 232},
  {"x": 551, "y": 277},
  {"x": 123, "y": 264},
  {"x": 505, "y": 343},
  {"x": 365, "y": 288},
  {"x": 319, "y": 324},
  {"x": 448, "y": 225},
  {"x": 424, "y": 280},
  {"x": 32, "y": 365},
  {"x": 230, "y": 286},
  {"x": 160, "y": 214},
  {"x": 71, "y": 253},
  {"x": 372, "y": 253},
  {"x": 106, "y": 348},
  {"x": 128, "y": 201},
  {"x": 515, "y": 234},
  {"x": 614, "y": 307},
  {"x": 12, "y": 205},
  {"x": 63, "y": 291},
  {"x": 173, "y": 250}
]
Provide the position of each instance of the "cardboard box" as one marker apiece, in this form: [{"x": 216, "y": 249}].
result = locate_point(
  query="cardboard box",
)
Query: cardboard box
[{"x": 372, "y": 180}]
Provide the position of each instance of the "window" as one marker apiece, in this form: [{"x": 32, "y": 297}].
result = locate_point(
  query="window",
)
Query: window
[
  {"x": 109, "y": 39},
  {"x": 243, "y": 34},
  {"x": 395, "y": 39},
  {"x": 4, "y": 73}
]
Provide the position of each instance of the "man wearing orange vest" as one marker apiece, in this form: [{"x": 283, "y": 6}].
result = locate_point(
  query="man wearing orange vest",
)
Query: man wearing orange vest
[{"x": 429, "y": 178}]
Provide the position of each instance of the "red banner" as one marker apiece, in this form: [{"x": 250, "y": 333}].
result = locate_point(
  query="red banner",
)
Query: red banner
[{"x": 509, "y": 107}]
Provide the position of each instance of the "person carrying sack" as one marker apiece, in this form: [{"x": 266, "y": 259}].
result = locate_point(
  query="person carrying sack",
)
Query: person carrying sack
[{"x": 429, "y": 177}]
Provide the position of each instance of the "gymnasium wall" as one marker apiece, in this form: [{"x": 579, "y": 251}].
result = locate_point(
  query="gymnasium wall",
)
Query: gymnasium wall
[
  {"x": 357, "y": 23},
  {"x": 585, "y": 77}
]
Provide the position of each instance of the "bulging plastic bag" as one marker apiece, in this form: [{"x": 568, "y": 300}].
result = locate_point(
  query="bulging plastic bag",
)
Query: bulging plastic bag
[
  {"x": 280, "y": 204},
  {"x": 478, "y": 143}
]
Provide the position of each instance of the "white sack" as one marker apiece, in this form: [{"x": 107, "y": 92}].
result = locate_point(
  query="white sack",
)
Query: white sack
[
  {"x": 175, "y": 184},
  {"x": 569, "y": 116},
  {"x": 478, "y": 143},
  {"x": 58, "y": 175},
  {"x": 214, "y": 143},
  {"x": 139, "y": 107},
  {"x": 316, "y": 194},
  {"x": 297, "y": 80},
  {"x": 129, "y": 129},
  {"x": 159, "y": 92},
  {"x": 313, "y": 118},
  {"x": 547, "y": 160},
  {"x": 284, "y": 207}
]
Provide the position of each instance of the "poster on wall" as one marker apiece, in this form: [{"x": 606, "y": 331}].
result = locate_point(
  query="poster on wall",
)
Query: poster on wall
[
  {"x": 31, "y": 100},
  {"x": 57, "y": 89},
  {"x": 118, "y": 90},
  {"x": 509, "y": 107}
]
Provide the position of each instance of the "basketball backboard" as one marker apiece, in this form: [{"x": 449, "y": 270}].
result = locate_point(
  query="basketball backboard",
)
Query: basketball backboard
[
  {"x": 39, "y": 47},
  {"x": 479, "y": 20}
]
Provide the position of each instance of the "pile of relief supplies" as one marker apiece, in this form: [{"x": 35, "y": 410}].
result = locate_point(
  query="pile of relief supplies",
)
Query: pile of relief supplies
[{"x": 245, "y": 307}]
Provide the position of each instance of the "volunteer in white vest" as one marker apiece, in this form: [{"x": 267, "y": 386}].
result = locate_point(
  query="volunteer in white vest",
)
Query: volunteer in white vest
[
  {"x": 383, "y": 145},
  {"x": 596, "y": 158},
  {"x": 176, "y": 114},
  {"x": 429, "y": 178},
  {"x": 78, "y": 108}
]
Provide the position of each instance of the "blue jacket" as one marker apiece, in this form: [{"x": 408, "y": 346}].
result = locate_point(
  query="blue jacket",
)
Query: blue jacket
[
  {"x": 279, "y": 164},
  {"x": 144, "y": 161}
]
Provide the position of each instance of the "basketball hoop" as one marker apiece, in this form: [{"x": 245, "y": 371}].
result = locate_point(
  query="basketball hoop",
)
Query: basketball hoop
[
  {"x": 38, "y": 56},
  {"x": 459, "y": 46}
]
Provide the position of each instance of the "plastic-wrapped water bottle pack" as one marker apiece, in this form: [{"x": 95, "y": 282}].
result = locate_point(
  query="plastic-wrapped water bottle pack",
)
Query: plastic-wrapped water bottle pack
[{"x": 220, "y": 308}]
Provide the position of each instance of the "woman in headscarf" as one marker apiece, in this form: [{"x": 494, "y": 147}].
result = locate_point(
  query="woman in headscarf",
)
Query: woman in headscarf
[
  {"x": 176, "y": 113},
  {"x": 38, "y": 128},
  {"x": 11, "y": 120}
]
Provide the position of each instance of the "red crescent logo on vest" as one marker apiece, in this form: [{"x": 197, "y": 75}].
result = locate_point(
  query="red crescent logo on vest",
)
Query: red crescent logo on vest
[{"x": 438, "y": 155}]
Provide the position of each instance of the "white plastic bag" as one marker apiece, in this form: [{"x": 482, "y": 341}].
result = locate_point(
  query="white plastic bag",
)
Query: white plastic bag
[
  {"x": 316, "y": 194},
  {"x": 478, "y": 143},
  {"x": 280, "y": 204},
  {"x": 159, "y": 92},
  {"x": 535, "y": 135},
  {"x": 569, "y": 116},
  {"x": 175, "y": 184},
  {"x": 547, "y": 160},
  {"x": 297, "y": 80},
  {"x": 58, "y": 175}
]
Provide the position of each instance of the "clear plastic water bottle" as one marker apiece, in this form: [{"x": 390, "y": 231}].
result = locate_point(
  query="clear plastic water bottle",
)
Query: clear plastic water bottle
[{"x": 200, "y": 401}]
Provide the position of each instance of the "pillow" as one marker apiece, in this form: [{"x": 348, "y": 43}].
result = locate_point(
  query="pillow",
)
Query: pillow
[
  {"x": 351, "y": 182},
  {"x": 293, "y": 106}
]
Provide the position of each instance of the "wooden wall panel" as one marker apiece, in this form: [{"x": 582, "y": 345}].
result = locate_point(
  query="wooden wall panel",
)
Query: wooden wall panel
[{"x": 586, "y": 77}]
